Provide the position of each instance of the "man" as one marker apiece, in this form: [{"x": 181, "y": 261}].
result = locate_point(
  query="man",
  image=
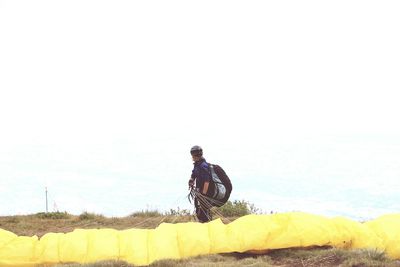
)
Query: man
[{"x": 200, "y": 182}]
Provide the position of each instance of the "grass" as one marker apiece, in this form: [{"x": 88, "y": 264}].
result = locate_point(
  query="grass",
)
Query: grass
[
  {"x": 29, "y": 225},
  {"x": 295, "y": 257}
]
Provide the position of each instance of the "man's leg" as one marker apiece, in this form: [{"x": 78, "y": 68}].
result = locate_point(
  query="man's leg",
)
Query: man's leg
[{"x": 203, "y": 213}]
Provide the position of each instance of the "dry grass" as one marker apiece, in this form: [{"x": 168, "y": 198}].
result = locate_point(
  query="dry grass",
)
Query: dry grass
[
  {"x": 29, "y": 225},
  {"x": 311, "y": 257}
]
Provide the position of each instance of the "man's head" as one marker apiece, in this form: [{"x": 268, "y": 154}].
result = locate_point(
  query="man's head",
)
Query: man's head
[{"x": 196, "y": 152}]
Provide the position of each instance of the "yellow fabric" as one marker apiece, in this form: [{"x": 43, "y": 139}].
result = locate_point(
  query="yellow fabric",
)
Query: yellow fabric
[
  {"x": 387, "y": 228},
  {"x": 183, "y": 240},
  {"x": 133, "y": 246}
]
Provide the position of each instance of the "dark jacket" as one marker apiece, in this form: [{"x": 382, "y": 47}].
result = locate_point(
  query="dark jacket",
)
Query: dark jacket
[{"x": 201, "y": 173}]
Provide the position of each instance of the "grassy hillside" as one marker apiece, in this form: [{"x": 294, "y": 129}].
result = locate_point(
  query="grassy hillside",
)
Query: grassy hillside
[
  {"x": 61, "y": 222},
  {"x": 41, "y": 223}
]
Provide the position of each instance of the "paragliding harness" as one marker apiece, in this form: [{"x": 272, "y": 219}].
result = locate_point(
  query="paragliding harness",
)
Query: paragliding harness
[
  {"x": 221, "y": 187},
  {"x": 219, "y": 191}
]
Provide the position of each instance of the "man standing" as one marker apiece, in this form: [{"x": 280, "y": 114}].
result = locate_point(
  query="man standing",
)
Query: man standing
[{"x": 200, "y": 181}]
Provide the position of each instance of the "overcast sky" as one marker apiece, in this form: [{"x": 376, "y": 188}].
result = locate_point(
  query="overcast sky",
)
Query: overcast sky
[{"x": 100, "y": 101}]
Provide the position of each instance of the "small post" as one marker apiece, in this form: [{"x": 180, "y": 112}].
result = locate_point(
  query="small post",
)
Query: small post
[{"x": 47, "y": 209}]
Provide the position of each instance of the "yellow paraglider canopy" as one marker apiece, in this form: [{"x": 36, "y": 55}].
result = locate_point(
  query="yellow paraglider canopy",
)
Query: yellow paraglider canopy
[{"x": 183, "y": 240}]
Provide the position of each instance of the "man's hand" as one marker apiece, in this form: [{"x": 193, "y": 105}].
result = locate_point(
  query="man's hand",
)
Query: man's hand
[{"x": 191, "y": 183}]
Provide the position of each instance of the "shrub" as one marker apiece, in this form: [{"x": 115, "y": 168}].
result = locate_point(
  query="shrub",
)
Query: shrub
[
  {"x": 236, "y": 208},
  {"x": 178, "y": 212},
  {"x": 90, "y": 216},
  {"x": 53, "y": 215},
  {"x": 146, "y": 213}
]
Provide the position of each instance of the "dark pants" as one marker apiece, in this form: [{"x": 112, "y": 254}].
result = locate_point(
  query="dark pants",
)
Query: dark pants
[{"x": 202, "y": 210}]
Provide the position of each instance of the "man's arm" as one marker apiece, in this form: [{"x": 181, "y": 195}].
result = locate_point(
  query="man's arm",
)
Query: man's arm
[
  {"x": 205, "y": 187},
  {"x": 206, "y": 176}
]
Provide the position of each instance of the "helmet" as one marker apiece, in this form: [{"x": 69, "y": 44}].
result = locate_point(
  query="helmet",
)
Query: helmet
[{"x": 196, "y": 151}]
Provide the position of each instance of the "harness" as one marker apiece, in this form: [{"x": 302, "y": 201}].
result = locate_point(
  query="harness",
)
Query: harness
[{"x": 219, "y": 188}]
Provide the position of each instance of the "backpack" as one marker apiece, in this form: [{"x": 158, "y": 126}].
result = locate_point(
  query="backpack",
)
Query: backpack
[{"x": 221, "y": 186}]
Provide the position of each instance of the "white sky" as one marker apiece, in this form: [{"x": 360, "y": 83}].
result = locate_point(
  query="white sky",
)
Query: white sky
[{"x": 102, "y": 96}]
